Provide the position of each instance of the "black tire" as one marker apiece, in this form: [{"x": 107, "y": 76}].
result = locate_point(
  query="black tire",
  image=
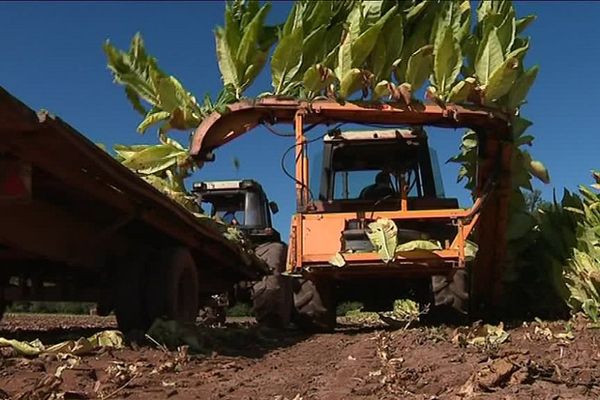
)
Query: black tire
[
  {"x": 314, "y": 305},
  {"x": 172, "y": 291},
  {"x": 272, "y": 296},
  {"x": 450, "y": 297}
]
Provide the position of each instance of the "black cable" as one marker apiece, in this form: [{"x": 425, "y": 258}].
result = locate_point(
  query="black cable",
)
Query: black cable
[
  {"x": 274, "y": 131},
  {"x": 305, "y": 142}
]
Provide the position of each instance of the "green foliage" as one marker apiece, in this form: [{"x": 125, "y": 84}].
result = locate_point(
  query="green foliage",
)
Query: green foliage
[
  {"x": 163, "y": 101},
  {"x": 170, "y": 104},
  {"x": 348, "y": 307},
  {"x": 243, "y": 43}
]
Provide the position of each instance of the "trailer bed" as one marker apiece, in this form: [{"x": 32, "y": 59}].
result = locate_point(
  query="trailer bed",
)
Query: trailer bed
[{"x": 82, "y": 201}]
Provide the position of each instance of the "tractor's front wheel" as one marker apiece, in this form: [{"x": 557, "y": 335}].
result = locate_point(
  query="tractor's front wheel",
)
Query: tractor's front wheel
[
  {"x": 314, "y": 305},
  {"x": 272, "y": 296}
]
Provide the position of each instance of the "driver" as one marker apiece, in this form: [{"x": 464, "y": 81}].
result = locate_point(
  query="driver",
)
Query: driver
[
  {"x": 378, "y": 190},
  {"x": 229, "y": 217}
]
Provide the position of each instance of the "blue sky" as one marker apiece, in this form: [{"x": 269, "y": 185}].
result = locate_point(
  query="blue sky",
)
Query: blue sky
[{"x": 51, "y": 57}]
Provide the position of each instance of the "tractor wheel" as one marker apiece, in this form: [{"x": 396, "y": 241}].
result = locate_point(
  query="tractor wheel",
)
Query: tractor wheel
[
  {"x": 450, "y": 297},
  {"x": 314, "y": 306},
  {"x": 172, "y": 290},
  {"x": 272, "y": 296}
]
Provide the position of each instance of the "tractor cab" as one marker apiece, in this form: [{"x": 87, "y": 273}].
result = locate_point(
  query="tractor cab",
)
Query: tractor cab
[
  {"x": 242, "y": 203},
  {"x": 366, "y": 166},
  {"x": 382, "y": 170}
]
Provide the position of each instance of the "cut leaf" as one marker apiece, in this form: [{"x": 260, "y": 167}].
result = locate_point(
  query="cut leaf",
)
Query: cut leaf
[
  {"x": 461, "y": 91},
  {"x": 152, "y": 119},
  {"x": 382, "y": 89},
  {"x": 420, "y": 66},
  {"x": 287, "y": 59},
  {"x": 429, "y": 245},
  {"x": 383, "y": 235},
  {"x": 538, "y": 170},
  {"x": 489, "y": 57},
  {"x": 447, "y": 60},
  {"x": 501, "y": 80},
  {"x": 351, "y": 82},
  {"x": 520, "y": 89}
]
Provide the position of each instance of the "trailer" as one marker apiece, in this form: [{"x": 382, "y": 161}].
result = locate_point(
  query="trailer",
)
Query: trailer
[{"x": 76, "y": 225}]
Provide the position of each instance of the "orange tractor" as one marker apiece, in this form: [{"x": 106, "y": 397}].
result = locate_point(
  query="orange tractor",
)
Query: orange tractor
[{"x": 333, "y": 221}]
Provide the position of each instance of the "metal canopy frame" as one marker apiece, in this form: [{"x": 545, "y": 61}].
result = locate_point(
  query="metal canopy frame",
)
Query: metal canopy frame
[{"x": 495, "y": 147}]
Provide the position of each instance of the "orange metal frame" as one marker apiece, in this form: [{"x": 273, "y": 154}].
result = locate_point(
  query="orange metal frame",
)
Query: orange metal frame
[{"x": 315, "y": 237}]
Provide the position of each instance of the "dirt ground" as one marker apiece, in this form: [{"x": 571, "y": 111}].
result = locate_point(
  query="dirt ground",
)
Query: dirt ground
[{"x": 537, "y": 360}]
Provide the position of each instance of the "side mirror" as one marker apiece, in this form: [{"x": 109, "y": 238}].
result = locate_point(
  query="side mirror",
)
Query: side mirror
[{"x": 274, "y": 207}]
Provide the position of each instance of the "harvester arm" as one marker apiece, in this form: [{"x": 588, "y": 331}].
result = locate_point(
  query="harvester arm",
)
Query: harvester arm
[{"x": 218, "y": 129}]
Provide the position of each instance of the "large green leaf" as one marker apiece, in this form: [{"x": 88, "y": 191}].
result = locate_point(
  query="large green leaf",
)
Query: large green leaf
[
  {"x": 372, "y": 11},
  {"x": 287, "y": 59},
  {"x": 507, "y": 31},
  {"x": 317, "y": 78},
  {"x": 351, "y": 82},
  {"x": 381, "y": 89},
  {"x": 249, "y": 43},
  {"x": 123, "y": 152},
  {"x": 420, "y": 66},
  {"x": 312, "y": 48},
  {"x": 153, "y": 159},
  {"x": 389, "y": 49},
  {"x": 502, "y": 80},
  {"x": 225, "y": 59},
  {"x": 429, "y": 245},
  {"x": 523, "y": 23},
  {"x": 447, "y": 60},
  {"x": 489, "y": 57},
  {"x": 131, "y": 72},
  {"x": 519, "y": 90},
  {"x": 461, "y": 91},
  {"x": 362, "y": 46},
  {"x": 153, "y": 118}
]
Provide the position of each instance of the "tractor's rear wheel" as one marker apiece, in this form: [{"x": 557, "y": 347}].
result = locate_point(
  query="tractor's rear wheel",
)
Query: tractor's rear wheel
[
  {"x": 172, "y": 290},
  {"x": 450, "y": 297},
  {"x": 314, "y": 305},
  {"x": 272, "y": 295}
]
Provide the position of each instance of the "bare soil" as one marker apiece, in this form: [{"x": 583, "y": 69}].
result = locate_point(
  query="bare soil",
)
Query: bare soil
[{"x": 537, "y": 361}]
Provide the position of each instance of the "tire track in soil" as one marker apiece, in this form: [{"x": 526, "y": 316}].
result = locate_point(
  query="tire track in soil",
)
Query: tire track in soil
[{"x": 326, "y": 366}]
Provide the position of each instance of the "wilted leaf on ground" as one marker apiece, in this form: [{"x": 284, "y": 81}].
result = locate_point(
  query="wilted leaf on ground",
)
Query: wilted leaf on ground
[
  {"x": 481, "y": 336},
  {"x": 113, "y": 339}
]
